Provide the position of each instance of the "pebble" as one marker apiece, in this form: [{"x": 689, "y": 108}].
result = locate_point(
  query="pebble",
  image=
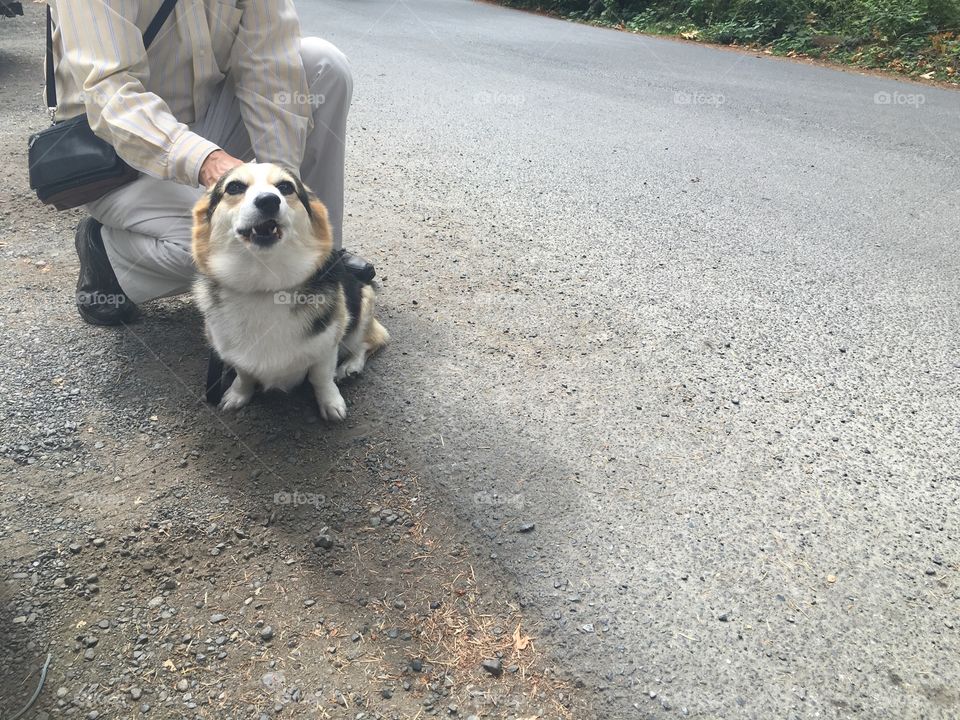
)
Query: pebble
[
  {"x": 183, "y": 686},
  {"x": 135, "y": 693},
  {"x": 75, "y": 548},
  {"x": 99, "y": 542},
  {"x": 526, "y": 527},
  {"x": 272, "y": 679},
  {"x": 266, "y": 633},
  {"x": 493, "y": 666},
  {"x": 416, "y": 665},
  {"x": 217, "y": 618},
  {"x": 325, "y": 542}
]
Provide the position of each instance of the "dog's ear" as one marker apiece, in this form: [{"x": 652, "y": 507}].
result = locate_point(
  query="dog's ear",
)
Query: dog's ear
[
  {"x": 320, "y": 221},
  {"x": 202, "y": 212}
]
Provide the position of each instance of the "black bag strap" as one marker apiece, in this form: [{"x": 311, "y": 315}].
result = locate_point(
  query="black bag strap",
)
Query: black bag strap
[{"x": 149, "y": 35}]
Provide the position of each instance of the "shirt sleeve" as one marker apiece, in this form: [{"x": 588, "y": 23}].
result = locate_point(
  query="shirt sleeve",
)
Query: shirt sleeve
[
  {"x": 270, "y": 82},
  {"x": 103, "y": 51}
]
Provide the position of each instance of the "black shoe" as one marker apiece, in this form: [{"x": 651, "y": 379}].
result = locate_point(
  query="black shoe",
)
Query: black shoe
[
  {"x": 100, "y": 300},
  {"x": 361, "y": 269}
]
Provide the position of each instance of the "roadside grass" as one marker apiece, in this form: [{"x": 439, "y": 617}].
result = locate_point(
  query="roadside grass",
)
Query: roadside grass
[{"x": 916, "y": 38}]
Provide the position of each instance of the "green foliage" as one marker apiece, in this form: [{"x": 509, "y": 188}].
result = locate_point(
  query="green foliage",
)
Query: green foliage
[{"x": 916, "y": 36}]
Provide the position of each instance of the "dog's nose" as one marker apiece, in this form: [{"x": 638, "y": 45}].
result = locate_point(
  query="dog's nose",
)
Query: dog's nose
[{"x": 267, "y": 203}]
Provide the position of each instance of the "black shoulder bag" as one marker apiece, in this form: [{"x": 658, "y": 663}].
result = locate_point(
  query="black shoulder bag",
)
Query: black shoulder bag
[{"x": 69, "y": 164}]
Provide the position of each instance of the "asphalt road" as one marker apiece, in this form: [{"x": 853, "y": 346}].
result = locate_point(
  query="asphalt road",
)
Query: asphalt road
[{"x": 693, "y": 312}]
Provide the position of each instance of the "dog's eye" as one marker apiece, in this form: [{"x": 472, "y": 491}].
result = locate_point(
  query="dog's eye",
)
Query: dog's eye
[
  {"x": 286, "y": 187},
  {"x": 235, "y": 187}
]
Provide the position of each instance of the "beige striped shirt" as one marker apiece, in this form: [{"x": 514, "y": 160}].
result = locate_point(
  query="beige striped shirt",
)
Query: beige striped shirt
[{"x": 143, "y": 102}]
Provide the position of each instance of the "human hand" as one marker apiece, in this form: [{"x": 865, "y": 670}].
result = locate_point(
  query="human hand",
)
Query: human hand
[{"x": 215, "y": 166}]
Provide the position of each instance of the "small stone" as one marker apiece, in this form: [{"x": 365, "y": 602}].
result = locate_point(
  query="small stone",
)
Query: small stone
[
  {"x": 135, "y": 693},
  {"x": 493, "y": 666},
  {"x": 217, "y": 618},
  {"x": 155, "y": 602},
  {"x": 435, "y": 604},
  {"x": 724, "y": 617},
  {"x": 75, "y": 548},
  {"x": 99, "y": 542},
  {"x": 399, "y": 604},
  {"x": 831, "y": 578},
  {"x": 90, "y": 641},
  {"x": 324, "y": 542},
  {"x": 266, "y": 633},
  {"x": 89, "y": 654},
  {"x": 309, "y": 603},
  {"x": 526, "y": 527},
  {"x": 587, "y": 628},
  {"x": 416, "y": 665},
  {"x": 183, "y": 686},
  {"x": 386, "y": 693},
  {"x": 272, "y": 679}
]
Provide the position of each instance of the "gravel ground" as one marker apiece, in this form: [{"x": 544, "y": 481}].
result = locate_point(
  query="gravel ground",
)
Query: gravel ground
[
  {"x": 673, "y": 387},
  {"x": 176, "y": 563}
]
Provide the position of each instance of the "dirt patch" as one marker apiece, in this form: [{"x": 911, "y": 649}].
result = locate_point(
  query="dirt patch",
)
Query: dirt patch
[{"x": 174, "y": 562}]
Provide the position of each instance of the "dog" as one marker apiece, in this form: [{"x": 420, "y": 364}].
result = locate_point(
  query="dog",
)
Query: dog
[{"x": 278, "y": 304}]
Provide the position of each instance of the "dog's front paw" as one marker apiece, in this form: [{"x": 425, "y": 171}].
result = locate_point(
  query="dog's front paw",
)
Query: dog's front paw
[
  {"x": 351, "y": 367},
  {"x": 235, "y": 398},
  {"x": 333, "y": 408}
]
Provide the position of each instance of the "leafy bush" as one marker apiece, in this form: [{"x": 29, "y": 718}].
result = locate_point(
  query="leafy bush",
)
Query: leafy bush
[{"x": 908, "y": 35}]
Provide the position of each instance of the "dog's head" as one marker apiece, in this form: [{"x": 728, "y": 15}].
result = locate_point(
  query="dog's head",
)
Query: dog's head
[{"x": 259, "y": 228}]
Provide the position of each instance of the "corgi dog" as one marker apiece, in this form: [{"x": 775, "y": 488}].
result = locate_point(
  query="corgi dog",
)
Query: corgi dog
[{"x": 278, "y": 304}]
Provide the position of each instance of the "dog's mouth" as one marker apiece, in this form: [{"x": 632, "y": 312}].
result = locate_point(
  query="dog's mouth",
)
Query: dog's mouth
[{"x": 263, "y": 234}]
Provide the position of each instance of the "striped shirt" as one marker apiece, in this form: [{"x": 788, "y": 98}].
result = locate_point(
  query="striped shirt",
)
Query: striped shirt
[{"x": 142, "y": 102}]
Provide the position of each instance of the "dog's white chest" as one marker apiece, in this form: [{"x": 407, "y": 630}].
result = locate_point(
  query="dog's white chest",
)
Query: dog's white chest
[{"x": 264, "y": 337}]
